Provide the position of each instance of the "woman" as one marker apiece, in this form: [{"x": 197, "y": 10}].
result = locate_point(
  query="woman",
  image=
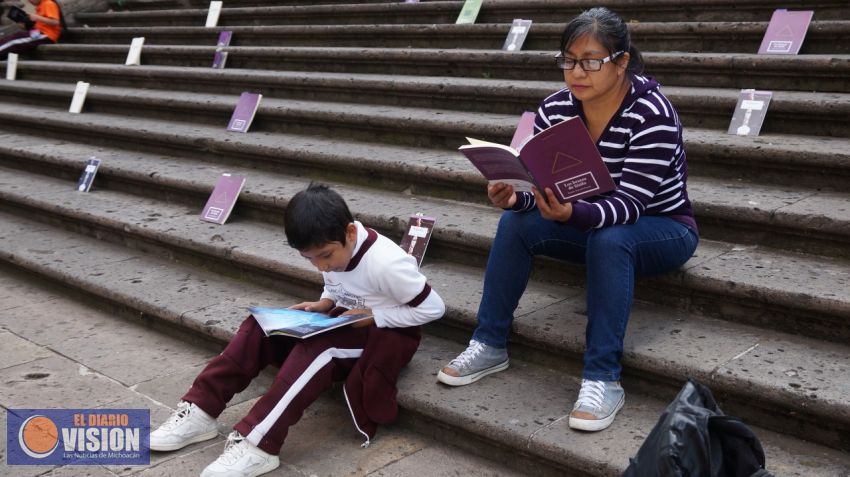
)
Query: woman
[{"x": 644, "y": 227}]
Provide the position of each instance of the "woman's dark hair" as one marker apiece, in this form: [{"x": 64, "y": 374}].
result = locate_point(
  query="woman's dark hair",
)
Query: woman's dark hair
[
  {"x": 607, "y": 28},
  {"x": 316, "y": 216}
]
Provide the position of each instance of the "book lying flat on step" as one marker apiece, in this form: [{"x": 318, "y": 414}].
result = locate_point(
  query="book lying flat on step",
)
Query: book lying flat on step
[
  {"x": 562, "y": 158},
  {"x": 298, "y": 323}
]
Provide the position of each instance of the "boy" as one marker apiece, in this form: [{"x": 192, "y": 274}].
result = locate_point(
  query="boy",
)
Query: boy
[
  {"x": 47, "y": 28},
  {"x": 363, "y": 272}
]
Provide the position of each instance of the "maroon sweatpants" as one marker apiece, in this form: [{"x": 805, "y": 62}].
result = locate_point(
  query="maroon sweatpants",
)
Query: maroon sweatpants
[
  {"x": 20, "y": 42},
  {"x": 307, "y": 368}
]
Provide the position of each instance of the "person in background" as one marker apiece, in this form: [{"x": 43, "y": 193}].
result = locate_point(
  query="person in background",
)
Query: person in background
[{"x": 47, "y": 27}]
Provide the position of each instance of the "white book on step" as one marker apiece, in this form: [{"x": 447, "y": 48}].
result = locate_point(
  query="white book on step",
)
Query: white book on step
[
  {"x": 213, "y": 13},
  {"x": 134, "y": 56},
  {"x": 12, "y": 66},
  {"x": 79, "y": 97}
]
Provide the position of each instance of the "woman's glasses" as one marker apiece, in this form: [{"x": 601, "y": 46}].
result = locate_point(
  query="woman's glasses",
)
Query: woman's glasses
[{"x": 587, "y": 64}]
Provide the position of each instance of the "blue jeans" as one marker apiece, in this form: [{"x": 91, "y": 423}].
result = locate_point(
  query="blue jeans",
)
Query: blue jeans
[{"x": 613, "y": 257}]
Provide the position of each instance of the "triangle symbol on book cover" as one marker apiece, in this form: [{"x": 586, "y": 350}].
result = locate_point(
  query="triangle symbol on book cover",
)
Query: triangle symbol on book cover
[
  {"x": 563, "y": 161},
  {"x": 785, "y": 32},
  {"x": 221, "y": 197}
]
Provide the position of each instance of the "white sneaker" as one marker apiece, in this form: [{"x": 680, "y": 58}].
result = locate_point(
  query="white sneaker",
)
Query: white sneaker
[
  {"x": 241, "y": 459},
  {"x": 477, "y": 361},
  {"x": 597, "y": 405},
  {"x": 188, "y": 424}
]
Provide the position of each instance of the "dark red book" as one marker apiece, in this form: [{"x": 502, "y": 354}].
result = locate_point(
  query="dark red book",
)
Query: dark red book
[
  {"x": 562, "y": 158},
  {"x": 415, "y": 241}
]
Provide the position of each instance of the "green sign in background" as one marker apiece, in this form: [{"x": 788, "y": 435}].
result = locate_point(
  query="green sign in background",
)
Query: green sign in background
[{"x": 469, "y": 12}]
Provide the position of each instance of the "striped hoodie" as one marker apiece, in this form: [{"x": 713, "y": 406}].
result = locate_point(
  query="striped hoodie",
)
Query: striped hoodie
[{"x": 642, "y": 147}]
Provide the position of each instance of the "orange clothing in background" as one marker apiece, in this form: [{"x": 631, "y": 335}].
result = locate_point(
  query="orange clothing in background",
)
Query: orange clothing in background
[{"x": 49, "y": 9}]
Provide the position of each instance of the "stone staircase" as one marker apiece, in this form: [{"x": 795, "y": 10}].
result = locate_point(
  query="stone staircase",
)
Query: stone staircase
[{"x": 374, "y": 98}]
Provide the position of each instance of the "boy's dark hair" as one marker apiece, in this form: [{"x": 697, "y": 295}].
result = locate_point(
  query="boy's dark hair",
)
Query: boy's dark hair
[
  {"x": 608, "y": 29},
  {"x": 316, "y": 216}
]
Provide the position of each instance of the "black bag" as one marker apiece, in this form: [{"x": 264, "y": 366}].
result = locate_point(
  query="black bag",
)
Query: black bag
[{"x": 693, "y": 438}]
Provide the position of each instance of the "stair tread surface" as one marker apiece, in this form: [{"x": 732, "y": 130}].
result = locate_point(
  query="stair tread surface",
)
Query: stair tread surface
[{"x": 524, "y": 407}]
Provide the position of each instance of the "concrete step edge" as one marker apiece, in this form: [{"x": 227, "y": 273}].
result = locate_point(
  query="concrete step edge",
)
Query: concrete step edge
[
  {"x": 474, "y": 89},
  {"x": 820, "y": 72},
  {"x": 749, "y": 205},
  {"x": 411, "y": 395},
  {"x": 696, "y": 274},
  {"x": 791, "y": 151}
]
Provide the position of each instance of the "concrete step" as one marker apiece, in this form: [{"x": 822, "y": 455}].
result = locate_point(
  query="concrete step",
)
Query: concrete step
[
  {"x": 786, "y": 160},
  {"x": 795, "y": 218},
  {"x": 809, "y": 114},
  {"x": 823, "y": 37},
  {"x": 823, "y": 73},
  {"x": 792, "y": 383},
  {"x": 147, "y": 5},
  {"x": 494, "y": 11},
  {"x": 795, "y": 292},
  {"x": 100, "y": 355},
  {"x": 791, "y": 112}
]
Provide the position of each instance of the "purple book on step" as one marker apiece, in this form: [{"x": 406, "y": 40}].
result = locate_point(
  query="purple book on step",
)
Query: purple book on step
[
  {"x": 223, "y": 198},
  {"x": 244, "y": 113},
  {"x": 562, "y": 158},
  {"x": 524, "y": 130},
  {"x": 220, "y": 57},
  {"x": 785, "y": 33}
]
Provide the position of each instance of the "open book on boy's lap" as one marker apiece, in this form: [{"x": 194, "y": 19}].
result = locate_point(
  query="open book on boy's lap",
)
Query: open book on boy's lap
[
  {"x": 298, "y": 323},
  {"x": 562, "y": 158}
]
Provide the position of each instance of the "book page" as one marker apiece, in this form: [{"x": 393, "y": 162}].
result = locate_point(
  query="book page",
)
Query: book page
[
  {"x": 497, "y": 163},
  {"x": 298, "y": 323}
]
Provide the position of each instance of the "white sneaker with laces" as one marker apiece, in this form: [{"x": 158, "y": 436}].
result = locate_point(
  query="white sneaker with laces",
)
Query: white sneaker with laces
[
  {"x": 241, "y": 459},
  {"x": 187, "y": 425},
  {"x": 597, "y": 405},
  {"x": 477, "y": 361}
]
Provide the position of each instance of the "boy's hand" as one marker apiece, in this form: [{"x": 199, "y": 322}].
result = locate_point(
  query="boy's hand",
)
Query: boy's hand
[
  {"x": 361, "y": 323},
  {"x": 322, "y": 306}
]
